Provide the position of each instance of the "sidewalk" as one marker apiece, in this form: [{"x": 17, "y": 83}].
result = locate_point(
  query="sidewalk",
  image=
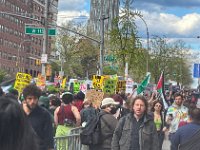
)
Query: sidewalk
[{"x": 166, "y": 143}]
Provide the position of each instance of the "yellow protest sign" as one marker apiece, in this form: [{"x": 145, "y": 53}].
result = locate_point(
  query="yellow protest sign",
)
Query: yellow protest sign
[
  {"x": 64, "y": 82},
  {"x": 121, "y": 86},
  {"x": 95, "y": 97},
  {"x": 22, "y": 80},
  {"x": 97, "y": 82}
]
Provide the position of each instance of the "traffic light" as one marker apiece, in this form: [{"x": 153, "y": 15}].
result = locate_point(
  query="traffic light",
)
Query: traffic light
[{"x": 37, "y": 62}]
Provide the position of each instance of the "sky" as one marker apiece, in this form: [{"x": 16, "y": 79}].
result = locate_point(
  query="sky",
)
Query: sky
[{"x": 174, "y": 19}]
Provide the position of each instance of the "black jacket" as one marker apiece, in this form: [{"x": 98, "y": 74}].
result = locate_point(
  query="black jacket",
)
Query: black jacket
[{"x": 41, "y": 122}]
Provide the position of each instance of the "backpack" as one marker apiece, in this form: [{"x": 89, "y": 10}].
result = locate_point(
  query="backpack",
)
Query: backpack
[{"x": 91, "y": 133}]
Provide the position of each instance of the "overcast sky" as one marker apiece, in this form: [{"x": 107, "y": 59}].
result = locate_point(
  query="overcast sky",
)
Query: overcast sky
[{"x": 174, "y": 19}]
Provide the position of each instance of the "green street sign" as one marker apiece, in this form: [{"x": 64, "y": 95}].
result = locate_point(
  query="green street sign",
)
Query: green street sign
[
  {"x": 110, "y": 58},
  {"x": 39, "y": 31},
  {"x": 51, "y": 31},
  {"x": 34, "y": 30}
]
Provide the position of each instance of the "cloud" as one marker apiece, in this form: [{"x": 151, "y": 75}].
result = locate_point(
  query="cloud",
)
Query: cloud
[
  {"x": 64, "y": 16},
  {"x": 72, "y": 5},
  {"x": 170, "y": 25},
  {"x": 168, "y": 3}
]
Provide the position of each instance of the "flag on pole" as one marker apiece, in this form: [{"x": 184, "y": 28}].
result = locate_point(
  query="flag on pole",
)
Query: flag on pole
[
  {"x": 144, "y": 84},
  {"x": 160, "y": 90}
]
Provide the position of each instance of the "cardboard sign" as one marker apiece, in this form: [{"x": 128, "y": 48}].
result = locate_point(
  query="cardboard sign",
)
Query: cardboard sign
[
  {"x": 95, "y": 97},
  {"x": 22, "y": 80}
]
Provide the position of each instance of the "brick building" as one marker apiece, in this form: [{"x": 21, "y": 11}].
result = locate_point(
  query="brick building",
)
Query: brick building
[{"x": 19, "y": 51}]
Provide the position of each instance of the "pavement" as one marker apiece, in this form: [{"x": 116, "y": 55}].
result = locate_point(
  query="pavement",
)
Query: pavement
[{"x": 166, "y": 143}]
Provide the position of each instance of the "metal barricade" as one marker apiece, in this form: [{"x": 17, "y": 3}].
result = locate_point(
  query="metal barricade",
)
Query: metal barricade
[{"x": 70, "y": 142}]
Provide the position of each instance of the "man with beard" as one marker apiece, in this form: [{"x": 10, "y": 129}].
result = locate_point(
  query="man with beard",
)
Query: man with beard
[{"x": 38, "y": 117}]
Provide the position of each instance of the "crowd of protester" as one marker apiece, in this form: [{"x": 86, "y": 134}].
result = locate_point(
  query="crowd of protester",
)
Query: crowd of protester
[{"x": 128, "y": 122}]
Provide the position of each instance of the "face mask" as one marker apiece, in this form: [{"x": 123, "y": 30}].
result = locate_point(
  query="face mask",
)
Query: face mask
[{"x": 113, "y": 110}]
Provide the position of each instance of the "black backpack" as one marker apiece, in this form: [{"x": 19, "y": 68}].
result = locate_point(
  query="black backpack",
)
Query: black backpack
[{"x": 91, "y": 133}]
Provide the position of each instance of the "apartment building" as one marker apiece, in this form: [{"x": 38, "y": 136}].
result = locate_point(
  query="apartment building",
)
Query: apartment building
[{"x": 20, "y": 52}]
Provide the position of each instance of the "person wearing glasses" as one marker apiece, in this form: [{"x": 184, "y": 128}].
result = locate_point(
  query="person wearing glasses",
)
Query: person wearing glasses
[{"x": 159, "y": 120}]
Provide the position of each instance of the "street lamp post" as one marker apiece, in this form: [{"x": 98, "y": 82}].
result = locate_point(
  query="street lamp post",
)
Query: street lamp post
[
  {"x": 147, "y": 30},
  {"x": 20, "y": 46}
]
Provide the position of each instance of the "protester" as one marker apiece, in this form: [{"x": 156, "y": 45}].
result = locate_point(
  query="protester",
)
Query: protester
[
  {"x": 66, "y": 117},
  {"x": 159, "y": 120},
  {"x": 87, "y": 112},
  {"x": 15, "y": 130},
  {"x": 78, "y": 100},
  {"x": 54, "y": 102},
  {"x": 176, "y": 113},
  {"x": 107, "y": 123},
  {"x": 136, "y": 131},
  {"x": 187, "y": 132},
  {"x": 44, "y": 100},
  {"x": 39, "y": 117}
]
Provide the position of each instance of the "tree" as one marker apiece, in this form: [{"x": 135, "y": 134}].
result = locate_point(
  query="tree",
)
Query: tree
[
  {"x": 76, "y": 52},
  {"x": 125, "y": 43},
  {"x": 2, "y": 75},
  {"x": 169, "y": 57}
]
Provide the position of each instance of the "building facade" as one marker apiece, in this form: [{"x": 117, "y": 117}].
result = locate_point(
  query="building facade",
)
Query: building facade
[
  {"x": 20, "y": 52},
  {"x": 108, "y": 8}
]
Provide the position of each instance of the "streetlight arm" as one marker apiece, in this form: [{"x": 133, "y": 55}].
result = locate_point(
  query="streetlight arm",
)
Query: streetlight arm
[{"x": 147, "y": 30}]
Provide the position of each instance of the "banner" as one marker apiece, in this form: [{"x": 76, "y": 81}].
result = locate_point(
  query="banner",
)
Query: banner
[{"x": 22, "y": 80}]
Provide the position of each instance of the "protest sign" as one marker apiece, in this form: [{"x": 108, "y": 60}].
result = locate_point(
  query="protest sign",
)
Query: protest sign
[
  {"x": 95, "y": 97},
  {"x": 22, "y": 80},
  {"x": 97, "y": 82}
]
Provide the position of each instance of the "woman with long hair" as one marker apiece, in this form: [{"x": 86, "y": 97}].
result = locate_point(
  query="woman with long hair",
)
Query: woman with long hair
[{"x": 159, "y": 120}]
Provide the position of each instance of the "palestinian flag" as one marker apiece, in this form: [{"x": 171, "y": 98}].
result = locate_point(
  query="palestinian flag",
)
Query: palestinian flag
[
  {"x": 160, "y": 90},
  {"x": 144, "y": 84}
]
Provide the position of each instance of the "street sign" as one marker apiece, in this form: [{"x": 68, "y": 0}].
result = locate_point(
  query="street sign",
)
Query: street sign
[
  {"x": 51, "y": 31},
  {"x": 34, "y": 30},
  {"x": 110, "y": 58},
  {"x": 196, "y": 71},
  {"x": 39, "y": 31},
  {"x": 44, "y": 59}
]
